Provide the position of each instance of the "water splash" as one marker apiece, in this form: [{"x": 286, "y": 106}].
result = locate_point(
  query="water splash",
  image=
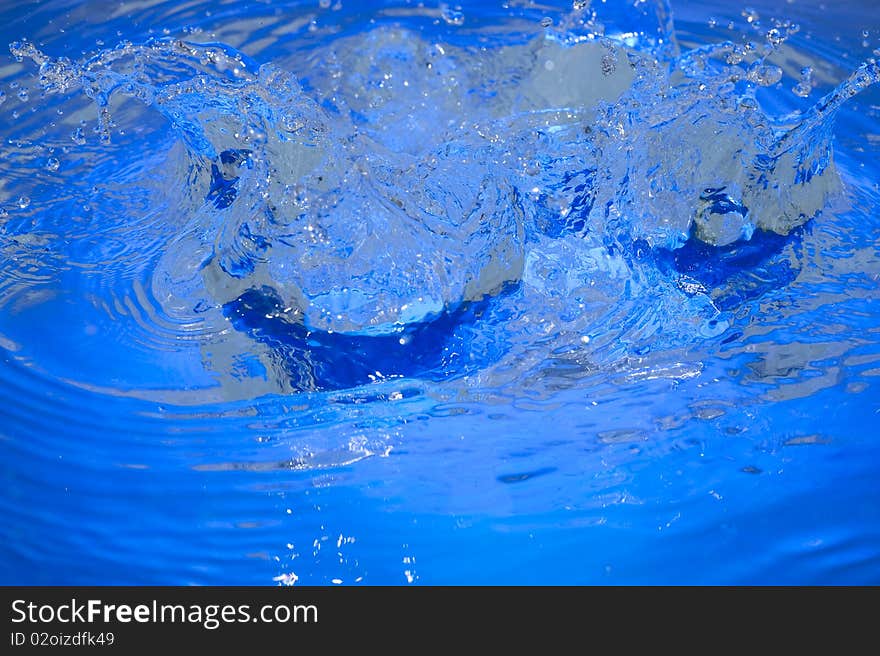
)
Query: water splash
[{"x": 415, "y": 179}]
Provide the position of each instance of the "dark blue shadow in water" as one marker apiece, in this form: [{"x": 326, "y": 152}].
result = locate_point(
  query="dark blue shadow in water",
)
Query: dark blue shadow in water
[
  {"x": 738, "y": 272},
  {"x": 319, "y": 360}
]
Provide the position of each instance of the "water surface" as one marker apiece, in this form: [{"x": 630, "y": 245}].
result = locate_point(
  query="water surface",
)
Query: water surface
[{"x": 339, "y": 293}]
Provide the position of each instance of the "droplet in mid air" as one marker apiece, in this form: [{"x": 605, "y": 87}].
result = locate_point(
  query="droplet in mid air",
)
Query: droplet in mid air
[
  {"x": 805, "y": 84},
  {"x": 451, "y": 16}
]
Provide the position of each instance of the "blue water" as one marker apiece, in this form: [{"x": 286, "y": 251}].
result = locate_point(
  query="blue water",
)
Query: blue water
[{"x": 401, "y": 293}]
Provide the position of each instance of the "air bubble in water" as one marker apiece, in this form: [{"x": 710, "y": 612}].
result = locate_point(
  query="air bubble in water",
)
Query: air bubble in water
[
  {"x": 577, "y": 5},
  {"x": 53, "y": 164},
  {"x": 324, "y": 4},
  {"x": 750, "y": 15},
  {"x": 2, "y": 97},
  {"x": 23, "y": 202},
  {"x": 78, "y": 137},
  {"x": 23, "y": 95},
  {"x": 546, "y": 21},
  {"x": 451, "y": 16}
]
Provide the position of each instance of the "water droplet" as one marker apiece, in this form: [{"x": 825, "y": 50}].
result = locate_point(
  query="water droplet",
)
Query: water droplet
[
  {"x": 78, "y": 137},
  {"x": 324, "y": 4},
  {"x": 23, "y": 202},
  {"x": 713, "y": 22},
  {"x": 751, "y": 16},
  {"x": 2, "y": 97},
  {"x": 546, "y": 21},
  {"x": 452, "y": 16},
  {"x": 577, "y": 5},
  {"x": 775, "y": 37},
  {"x": 23, "y": 95},
  {"x": 53, "y": 164},
  {"x": 805, "y": 85}
]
